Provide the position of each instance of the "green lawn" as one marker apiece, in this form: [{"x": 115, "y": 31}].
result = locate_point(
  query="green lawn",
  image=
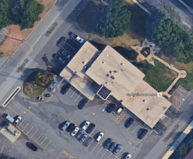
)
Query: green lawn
[
  {"x": 158, "y": 76},
  {"x": 30, "y": 88}
]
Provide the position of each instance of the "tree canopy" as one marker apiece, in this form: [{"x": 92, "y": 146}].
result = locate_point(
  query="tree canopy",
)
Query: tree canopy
[
  {"x": 120, "y": 2},
  {"x": 28, "y": 13},
  {"x": 5, "y": 13},
  {"x": 113, "y": 20}
]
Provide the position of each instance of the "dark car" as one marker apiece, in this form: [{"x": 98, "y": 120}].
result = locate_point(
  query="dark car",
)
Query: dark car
[
  {"x": 117, "y": 149},
  {"x": 71, "y": 127},
  {"x": 113, "y": 145},
  {"x": 88, "y": 141},
  {"x": 47, "y": 95},
  {"x": 61, "y": 41},
  {"x": 161, "y": 126},
  {"x": 82, "y": 103},
  {"x": 31, "y": 146},
  {"x": 90, "y": 128},
  {"x": 108, "y": 143},
  {"x": 128, "y": 122},
  {"x": 79, "y": 134},
  {"x": 110, "y": 108},
  {"x": 65, "y": 88},
  {"x": 142, "y": 133},
  {"x": 83, "y": 138},
  {"x": 157, "y": 131}
]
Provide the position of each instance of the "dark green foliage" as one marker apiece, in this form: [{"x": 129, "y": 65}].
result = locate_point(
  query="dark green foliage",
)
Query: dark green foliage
[
  {"x": 133, "y": 55},
  {"x": 130, "y": 55},
  {"x": 28, "y": 13},
  {"x": 183, "y": 150},
  {"x": 5, "y": 13},
  {"x": 113, "y": 21},
  {"x": 120, "y": 2}
]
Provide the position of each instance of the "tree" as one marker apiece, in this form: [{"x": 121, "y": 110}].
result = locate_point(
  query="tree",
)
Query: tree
[
  {"x": 44, "y": 79},
  {"x": 27, "y": 15},
  {"x": 113, "y": 20},
  {"x": 120, "y": 2},
  {"x": 5, "y": 13}
]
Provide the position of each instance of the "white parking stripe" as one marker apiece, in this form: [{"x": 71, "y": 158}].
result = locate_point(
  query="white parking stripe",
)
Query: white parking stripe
[
  {"x": 43, "y": 140},
  {"x": 39, "y": 137},
  {"x": 68, "y": 90},
  {"x": 21, "y": 122},
  {"x": 72, "y": 94},
  {"x": 29, "y": 130},
  {"x": 34, "y": 133},
  {"x": 109, "y": 156},
  {"x": 77, "y": 98},
  {"x": 135, "y": 129},
  {"x": 25, "y": 126},
  {"x": 94, "y": 147},
  {"x": 99, "y": 151},
  {"x": 104, "y": 154}
]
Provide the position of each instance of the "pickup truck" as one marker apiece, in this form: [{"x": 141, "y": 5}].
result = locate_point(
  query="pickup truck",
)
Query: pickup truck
[{"x": 77, "y": 38}]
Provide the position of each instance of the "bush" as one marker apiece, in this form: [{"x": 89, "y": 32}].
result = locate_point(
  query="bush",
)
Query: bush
[
  {"x": 44, "y": 79},
  {"x": 183, "y": 150}
]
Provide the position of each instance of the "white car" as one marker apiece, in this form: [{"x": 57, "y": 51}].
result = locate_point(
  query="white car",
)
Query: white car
[
  {"x": 18, "y": 119},
  {"x": 101, "y": 134},
  {"x": 85, "y": 125},
  {"x": 74, "y": 132},
  {"x": 127, "y": 156},
  {"x": 77, "y": 38}
]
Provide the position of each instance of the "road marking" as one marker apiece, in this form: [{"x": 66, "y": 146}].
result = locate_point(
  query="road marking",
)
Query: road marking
[
  {"x": 94, "y": 147},
  {"x": 93, "y": 113},
  {"x": 68, "y": 90},
  {"x": 104, "y": 104},
  {"x": 77, "y": 98},
  {"x": 29, "y": 130},
  {"x": 34, "y": 133},
  {"x": 21, "y": 122},
  {"x": 24, "y": 112},
  {"x": 135, "y": 129},
  {"x": 86, "y": 104},
  {"x": 99, "y": 151},
  {"x": 72, "y": 94},
  {"x": 25, "y": 126},
  {"x": 47, "y": 145},
  {"x": 93, "y": 131},
  {"x": 43, "y": 140},
  {"x": 39, "y": 137},
  {"x": 12, "y": 110},
  {"x": 29, "y": 107},
  {"x": 104, "y": 154},
  {"x": 109, "y": 156}
]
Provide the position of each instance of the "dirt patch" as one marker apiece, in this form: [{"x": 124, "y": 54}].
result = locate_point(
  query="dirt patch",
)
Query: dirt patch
[
  {"x": 15, "y": 36},
  {"x": 134, "y": 35}
]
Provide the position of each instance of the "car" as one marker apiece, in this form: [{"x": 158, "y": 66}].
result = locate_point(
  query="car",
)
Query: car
[
  {"x": 65, "y": 54},
  {"x": 65, "y": 125},
  {"x": 110, "y": 108},
  {"x": 128, "y": 122},
  {"x": 47, "y": 95},
  {"x": 112, "y": 146},
  {"x": 70, "y": 128},
  {"x": 65, "y": 88},
  {"x": 100, "y": 135},
  {"x": 31, "y": 146},
  {"x": 142, "y": 132},
  {"x": 90, "y": 128},
  {"x": 17, "y": 119},
  {"x": 127, "y": 156},
  {"x": 85, "y": 125},
  {"x": 39, "y": 98},
  {"x": 88, "y": 141},
  {"x": 117, "y": 149},
  {"x": 74, "y": 132},
  {"x": 61, "y": 41},
  {"x": 77, "y": 38},
  {"x": 157, "y": 131},
  {"x": 60, "y": 58},
  {"x": 161, "y": 126},
  {"x": 83, "y": 138},
  {"x": 79, "y": 134},
  {"x": 82, "y": 103},
  {"x": 108, "y": 143},
  {"x": 119, "y": 110}
]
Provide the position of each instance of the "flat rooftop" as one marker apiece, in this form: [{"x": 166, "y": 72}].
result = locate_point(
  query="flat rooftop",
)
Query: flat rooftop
[
  {"x": 146, "y": 107},
  {"x": 83, "y": 85},
  {"x": 115, "y": 73},
  {"x": 82, "y": 57}
]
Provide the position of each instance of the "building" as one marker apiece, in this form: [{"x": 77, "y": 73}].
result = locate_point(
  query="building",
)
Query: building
[
  {"x": 105, "y": 73},
  {"x": 189, "y": 155}
]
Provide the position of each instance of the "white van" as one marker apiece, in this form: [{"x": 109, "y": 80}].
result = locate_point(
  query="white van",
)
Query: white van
[{"x": 9, "y": 118}]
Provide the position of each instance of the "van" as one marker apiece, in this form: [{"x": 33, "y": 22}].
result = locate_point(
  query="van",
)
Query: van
[{"x": 9, "y": 118}]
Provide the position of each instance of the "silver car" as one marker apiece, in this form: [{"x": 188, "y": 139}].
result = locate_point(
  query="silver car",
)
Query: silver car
[
  {"x": 101, "y": 134},
  {"x": 74, "y": 132},
  {"x": 66, "y": 124}
]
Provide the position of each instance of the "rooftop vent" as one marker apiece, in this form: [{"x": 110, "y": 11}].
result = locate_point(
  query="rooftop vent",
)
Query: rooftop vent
[
  {"x": 111, "y": 72},
  {"x": 108, "y": 75},
  {"x": 103, "y": 62},
  {"x": 107, "y": 55},
  {"x": 107, "y": 82},
  {"x": 83, "y": 62},
  {"x": 147, "y": 109},
  {"x": 115, "y": 71},
  {"x": 112, "y": 77},
  {"x": 121, "y": 101},
  {"x": 144, "y": 101},
  {"x": 122, "y": 64}
]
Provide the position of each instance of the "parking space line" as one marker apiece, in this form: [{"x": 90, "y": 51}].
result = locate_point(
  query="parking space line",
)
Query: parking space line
[
  {"x": 68, "y": 90},
  {"x": 93, "y": 131},
  {"x": 104, "y": 104},
  {"x": 25, "y": 126},
  {"x": 104, "y": 154},
  {"x": 21, "y": 122},
  {"x": 86, "y": 104},
  {"x": 109, "y": 156},
  {"x": 29, "y": 130},
  {"x": 39, "y": 137},
  {"x": 120, "y": 117},
  {"x": 34, "y": 133},
  {"x": 99, "y": 151},
  {"x": 94, "y": 147},
  {"x": 43, "y": 140},
  {"x": 47, "y": 145},
  {"x": 135, "y": 129},
  {"x": 72, "y": 94},
  {"x": 77, "y": 98}
]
